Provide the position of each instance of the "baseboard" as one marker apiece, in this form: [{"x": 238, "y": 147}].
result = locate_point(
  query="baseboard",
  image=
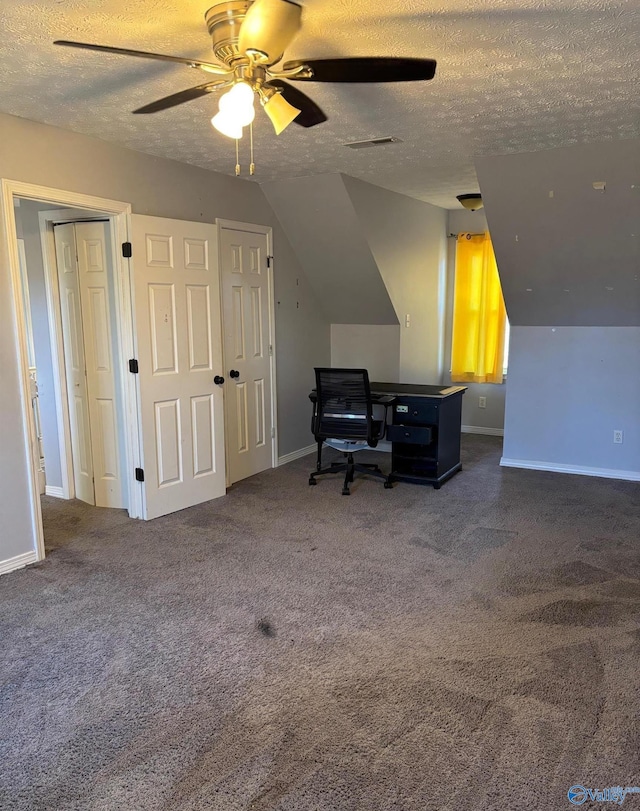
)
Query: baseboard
[
  {"x": 289, "y": 457},
  {"x": 478, "y": 429},
  {"x": 56, "y": 492},
  {"x": 19, "y": 562},
  {"x": 580, "y": 470}
]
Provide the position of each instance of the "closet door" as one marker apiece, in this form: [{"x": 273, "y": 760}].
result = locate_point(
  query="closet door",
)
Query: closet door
[
  {"x": 73, "y": 341},
  {"x": 93, "y": 270}
]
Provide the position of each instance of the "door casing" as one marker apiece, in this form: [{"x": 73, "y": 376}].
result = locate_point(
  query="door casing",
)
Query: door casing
[{"x": 119, "y": 213}]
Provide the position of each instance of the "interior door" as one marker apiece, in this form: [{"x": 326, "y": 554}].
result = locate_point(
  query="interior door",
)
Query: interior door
[
  {"x": 73, "y": 341},
  {"x": 93, "y": 252},
  {"x": 247, "y": 351},
  {"x": 177, "y": 317}
]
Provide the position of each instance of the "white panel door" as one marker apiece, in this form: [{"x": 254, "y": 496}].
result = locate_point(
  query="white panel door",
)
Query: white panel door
[
  {"x": 73, "y": 341},
  {"x": 177, "y": 315},
  {"x": 246, "y": 316},
  {"x": 98, "y": 328}
]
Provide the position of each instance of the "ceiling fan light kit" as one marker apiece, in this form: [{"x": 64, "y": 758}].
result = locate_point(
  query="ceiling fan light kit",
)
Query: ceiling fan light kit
[{"x": 249, "y": 37}]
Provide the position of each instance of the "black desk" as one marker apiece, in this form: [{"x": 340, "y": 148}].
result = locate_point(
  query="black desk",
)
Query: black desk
[{"x": 424, "y": 432}]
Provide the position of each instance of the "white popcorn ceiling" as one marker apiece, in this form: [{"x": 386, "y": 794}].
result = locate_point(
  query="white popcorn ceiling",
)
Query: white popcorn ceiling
[{"x": 513, "y": 76}]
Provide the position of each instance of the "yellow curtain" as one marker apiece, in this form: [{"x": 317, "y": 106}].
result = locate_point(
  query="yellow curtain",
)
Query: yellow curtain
[{"x": 479, "y": 314}]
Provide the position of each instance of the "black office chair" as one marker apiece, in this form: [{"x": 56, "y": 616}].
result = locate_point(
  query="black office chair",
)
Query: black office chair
[{"x": 343, "y": 419}]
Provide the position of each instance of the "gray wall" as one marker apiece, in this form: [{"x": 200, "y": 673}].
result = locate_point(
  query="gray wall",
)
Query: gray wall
[
  {"x": 320, "y": 223},
  {"x": 408, "y": 241},
  {"x": 39, "y": 154},
  {"x": 369, "y": 346},
  {"x": 569, "y": 271},
  {"x": 490, "y": 418},
  {"x": 569, "y": 389},
  {"x": 27, "y": 217},
  {"x": 572, "y": 259}
]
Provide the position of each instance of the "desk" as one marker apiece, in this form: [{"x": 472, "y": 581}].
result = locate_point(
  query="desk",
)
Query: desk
[{"x": 424, "y": 431}]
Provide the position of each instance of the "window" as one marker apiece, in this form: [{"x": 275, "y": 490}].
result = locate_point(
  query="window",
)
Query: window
[{"x": 479, "y": 317}]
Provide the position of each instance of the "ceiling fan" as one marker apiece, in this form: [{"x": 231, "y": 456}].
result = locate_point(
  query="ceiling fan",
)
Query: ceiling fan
[{"x": 249, "y": 39}]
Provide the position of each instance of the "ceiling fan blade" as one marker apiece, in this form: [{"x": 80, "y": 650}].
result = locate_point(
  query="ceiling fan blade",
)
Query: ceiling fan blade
[
  {"x": 183, "y": 60},
  {"x": 310, "y": 113},
  {"x": 365, "y": 69},
  {"x": 268, "y": 28},
  {"x": 182, "y": 96}
]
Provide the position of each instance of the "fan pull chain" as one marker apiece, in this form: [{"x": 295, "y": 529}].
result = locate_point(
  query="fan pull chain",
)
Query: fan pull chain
[
  {"x": 237, "y": 157},
  {"x": 252, "y": 166}
]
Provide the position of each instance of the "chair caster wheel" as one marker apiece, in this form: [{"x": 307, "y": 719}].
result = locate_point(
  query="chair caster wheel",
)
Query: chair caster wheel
[
  {"x": 388, "y": 485},
  {"x": 312, "y": 481},
  {"x": 345, "y": 492}
]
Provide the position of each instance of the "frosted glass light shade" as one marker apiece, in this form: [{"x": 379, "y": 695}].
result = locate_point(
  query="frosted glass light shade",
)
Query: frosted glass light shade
[
  {"x": 226, "y": 125},
  {"x": 280, "y": 112}
]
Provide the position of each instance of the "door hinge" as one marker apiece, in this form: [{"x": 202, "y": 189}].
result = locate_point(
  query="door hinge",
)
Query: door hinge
[
  {"x": 269, "y": 261},
  {"x": 270, "y": 350},
  {"x": 126, "y": 250},
  {"x": 273, "y": 432},
  {"x": 133, "y": 366},
  {"x": 139, "y": 474}
]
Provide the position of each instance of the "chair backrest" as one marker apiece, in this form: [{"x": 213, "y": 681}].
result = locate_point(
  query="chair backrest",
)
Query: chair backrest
[{"x": 343, "y": 409}]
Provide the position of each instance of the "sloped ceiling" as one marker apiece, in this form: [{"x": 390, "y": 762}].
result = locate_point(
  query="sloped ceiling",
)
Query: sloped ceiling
[
  {"x": 318, "y": 217},
  {"x": 513, "y": 76},
  {"x": 568, "y": 253}
]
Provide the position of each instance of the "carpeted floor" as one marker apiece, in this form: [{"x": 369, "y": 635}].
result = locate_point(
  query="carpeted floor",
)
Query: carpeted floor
[{"x": 290, "y": 649}]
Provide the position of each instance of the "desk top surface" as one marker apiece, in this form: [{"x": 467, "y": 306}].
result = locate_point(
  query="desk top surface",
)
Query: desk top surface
[{"x": 416, "y": 390}]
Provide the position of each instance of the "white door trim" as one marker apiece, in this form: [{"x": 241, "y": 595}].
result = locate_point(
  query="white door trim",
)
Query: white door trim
[
  {"x": 119, "y": 213},
  {"x": 268, "y": 232}
]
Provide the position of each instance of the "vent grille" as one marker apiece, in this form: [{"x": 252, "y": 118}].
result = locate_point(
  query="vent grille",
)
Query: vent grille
[{"x": 374, "y": 142}]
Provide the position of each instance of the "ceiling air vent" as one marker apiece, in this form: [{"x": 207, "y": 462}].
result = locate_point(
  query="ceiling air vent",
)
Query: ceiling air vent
[{"x": 374, "y": 142}]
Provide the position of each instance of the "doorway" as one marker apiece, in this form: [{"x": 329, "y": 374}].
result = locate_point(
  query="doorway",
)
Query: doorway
[{"x": 115, "y": 214}]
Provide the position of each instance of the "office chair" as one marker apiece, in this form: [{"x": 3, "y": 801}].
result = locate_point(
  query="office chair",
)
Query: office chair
[{"x": 343, "y": 419}]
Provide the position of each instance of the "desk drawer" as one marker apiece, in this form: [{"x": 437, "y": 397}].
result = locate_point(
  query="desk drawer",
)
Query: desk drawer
[
  {"x": 410, "y": 434},
  {"x": 414, "y": 412}
]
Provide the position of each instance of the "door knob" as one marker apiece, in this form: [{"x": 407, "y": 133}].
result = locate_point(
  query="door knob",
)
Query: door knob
[
  {"x": 218, "y": 380},
  {"x": 234, "y": 373}
]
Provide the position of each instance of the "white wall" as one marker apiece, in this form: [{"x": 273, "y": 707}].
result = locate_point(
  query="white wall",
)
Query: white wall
[
  {"x": 39, "y": 154},
  {"x": 569, "y": 388},
  {"x": 372, "y": 347}
]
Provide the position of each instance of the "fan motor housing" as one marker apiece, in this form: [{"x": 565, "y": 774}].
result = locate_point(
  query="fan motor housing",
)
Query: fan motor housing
[{"x": 223, "y": 23}]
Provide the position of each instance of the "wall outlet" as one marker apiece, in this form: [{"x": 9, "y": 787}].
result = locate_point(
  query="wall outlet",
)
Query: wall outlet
[
  {"x": 482, "y": 403},
  {"x": 407, "y": 320},
  {"x": 617, "y": 437}
]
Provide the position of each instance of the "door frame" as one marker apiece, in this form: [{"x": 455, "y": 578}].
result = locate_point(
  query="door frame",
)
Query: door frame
[
  {"x": 268, "y": 232},
  {"x": 119, "y": 214}
]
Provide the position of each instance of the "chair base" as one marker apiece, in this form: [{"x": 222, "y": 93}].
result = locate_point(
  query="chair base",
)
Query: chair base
[{"x": 350, "y": 468}]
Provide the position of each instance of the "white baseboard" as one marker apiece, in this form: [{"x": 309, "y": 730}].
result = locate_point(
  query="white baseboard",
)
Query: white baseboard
[
  {"x": 56, "y": 492},
  {"x": 289, "y": 457},
  {"x": 18, "y": 562},
  {"x": 580, "y": 470},
  {"x": 478, "y": 429}
]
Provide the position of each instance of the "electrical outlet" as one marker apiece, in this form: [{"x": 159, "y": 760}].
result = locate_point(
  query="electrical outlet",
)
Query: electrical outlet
[
  {"x": 482, "y": 402},
  {"x": 617, "y": 437}
]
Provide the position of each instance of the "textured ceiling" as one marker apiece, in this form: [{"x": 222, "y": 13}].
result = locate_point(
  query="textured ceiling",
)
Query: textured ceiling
[{"x": 513, "y": 76}]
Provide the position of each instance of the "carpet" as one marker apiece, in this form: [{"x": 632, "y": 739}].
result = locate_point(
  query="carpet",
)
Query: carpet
[{"x": 286, "y": 648}]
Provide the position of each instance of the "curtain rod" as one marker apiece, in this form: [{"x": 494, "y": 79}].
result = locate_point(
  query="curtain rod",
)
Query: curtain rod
[{"x": 449, "y": 236}]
